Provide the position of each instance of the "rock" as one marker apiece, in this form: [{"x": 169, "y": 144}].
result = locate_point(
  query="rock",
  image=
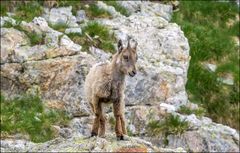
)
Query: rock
[
  {"x": 227, "y": 79},
  {"x": 69, "y": 44},
  {"x": 83, "y": 144},
  {"x": 210, "y": 67},
  {"x": 81, "y": 16},
  {"x": 203, "y": 135},
  {"x": 42, "y": 24},
  {"x": 148, "y": 8},
  {"x": 167, "y": 107},
  {"x": 59, "y": 80},
  {"x": 73, "y": 30},
  {"x": 61, "y": 15},
  {"x": 155, "y": 9},
  {"x": 16, "y": 145},
  {"x": 10, "y": 39},
  {"x": 5, "y": 19},
  {"x": 99, "y": 54}
]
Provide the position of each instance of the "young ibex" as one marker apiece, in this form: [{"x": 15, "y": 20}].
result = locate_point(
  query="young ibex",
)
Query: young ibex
[{"x": 105, "y": 84}]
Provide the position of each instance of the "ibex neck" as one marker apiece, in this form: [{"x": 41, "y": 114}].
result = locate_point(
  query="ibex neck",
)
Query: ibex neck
[{"x": 117, "y": 75}]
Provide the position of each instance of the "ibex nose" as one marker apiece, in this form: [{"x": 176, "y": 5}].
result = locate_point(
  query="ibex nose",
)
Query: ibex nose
[{"x": 133, "y": 73}]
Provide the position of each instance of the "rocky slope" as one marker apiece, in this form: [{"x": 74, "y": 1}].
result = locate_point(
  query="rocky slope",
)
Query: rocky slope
[{"x": 57, "y": 69}]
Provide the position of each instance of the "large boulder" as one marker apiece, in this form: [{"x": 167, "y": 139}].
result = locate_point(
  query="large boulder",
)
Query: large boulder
[{"x": 84, "y": 144}]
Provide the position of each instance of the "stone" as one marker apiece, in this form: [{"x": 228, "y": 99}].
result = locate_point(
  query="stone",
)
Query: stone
[
  {"x": 69, "y": 44},
  {"x": 73, "y": 30},
  {"x": 99, "y": 54},
  {"x": 210, "y": 67},
  {"x": 167, "y": 107},
  {"x": 11, "y": 39},
  {"x": 81, "y": 16},
  {"x": 60, "y": 15},
  {"x": 227, "y": 79},
  {"x": 59, "y": 79},
  {"x": 5, "y": 19}
]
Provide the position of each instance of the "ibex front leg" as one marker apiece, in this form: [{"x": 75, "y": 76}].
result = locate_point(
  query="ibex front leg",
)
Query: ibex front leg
[
  {"x": 97, "y": 111},
  {"x": 120, "y": 124}
]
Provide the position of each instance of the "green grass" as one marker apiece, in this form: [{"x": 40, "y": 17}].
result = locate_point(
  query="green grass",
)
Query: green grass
[
  {"x": 26, "y": 115},
  {"x": 118, "y": 7},
  {"x": 3, "y": 9},
  {"x": 198, "y": 112},
  {"x": 59, "y": 27},
  {"x": 170, "y": 125},
  {"x": 26, "y": 12},
  {"x": 210, "y": 39},
  {"x": 104, "y": 41},
  {"x": 95, "y": 12}
]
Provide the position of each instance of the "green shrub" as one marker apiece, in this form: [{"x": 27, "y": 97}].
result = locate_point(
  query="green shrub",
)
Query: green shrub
[
  {"x": 3, "y": 9},
  {"x": 59, "y": 27},
  {"x": 104, "y": 39},
  {"x": 198, "y": 112},
  {"x": 170, "y": 125},
  {"x": 26, "y": 115},
  {"x": 93, "y": 11},
  {"x": 118, "y": 7},
  {"x": 210, "y": 40}
]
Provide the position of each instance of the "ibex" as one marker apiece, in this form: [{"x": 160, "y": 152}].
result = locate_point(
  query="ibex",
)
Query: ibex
[{"x": 105, "y": 83}]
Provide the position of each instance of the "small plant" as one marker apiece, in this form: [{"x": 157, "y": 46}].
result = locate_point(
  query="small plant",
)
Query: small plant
[
  {"x": 118, "y": 7},
  {"x": 112, "y": 122},
  {"x": 59, "y": 27},
  {"x": 27, "y": 11},
  {"x": 3, "y": 9},
  {"x": 170, "y": 125},
  {"x": 93, "y": 11},
  {"x": 95, "y": 34},
  {"x": 26, "y": 115},
  {"x": 185, "y": 110}
]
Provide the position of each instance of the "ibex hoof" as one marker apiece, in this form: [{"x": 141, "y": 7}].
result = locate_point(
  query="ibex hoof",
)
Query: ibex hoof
[
  {"x": 120, "y": 138},
  {"x": 93, "y": 134}
]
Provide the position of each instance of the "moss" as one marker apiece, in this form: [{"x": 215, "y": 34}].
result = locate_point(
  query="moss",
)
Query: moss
[{"x": 26, "y": 115}]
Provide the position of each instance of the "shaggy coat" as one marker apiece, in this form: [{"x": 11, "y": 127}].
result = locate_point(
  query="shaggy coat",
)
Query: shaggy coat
[{"x": 105, "y": 83}]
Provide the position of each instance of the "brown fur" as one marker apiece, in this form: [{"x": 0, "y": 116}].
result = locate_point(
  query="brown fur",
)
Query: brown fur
[{"x": 105, "y": 84}]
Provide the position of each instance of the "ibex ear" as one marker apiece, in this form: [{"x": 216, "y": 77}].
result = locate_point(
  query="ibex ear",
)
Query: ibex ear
[
  {"x": 135, "y": 45},
  {"x": 120, "y": 46}
]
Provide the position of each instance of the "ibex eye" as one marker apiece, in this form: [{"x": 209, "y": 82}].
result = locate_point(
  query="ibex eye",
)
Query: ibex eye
[{"x": 125, "y": 58}]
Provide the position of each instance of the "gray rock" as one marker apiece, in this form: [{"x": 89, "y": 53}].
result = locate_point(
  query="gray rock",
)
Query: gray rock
[
  {"x": 11, "y": 39},
  {"x": 210, "y": 67},
  {"x": 61, "y": 15},
  {"x": 6, "y": 19},
  {"x": 83, "y": 144},
  {"x": 73, "y": 30},
  {"x": 99, "y": 54},
  {"x": 228, "y": 80},
  {"x": 81, "y": 16}
]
